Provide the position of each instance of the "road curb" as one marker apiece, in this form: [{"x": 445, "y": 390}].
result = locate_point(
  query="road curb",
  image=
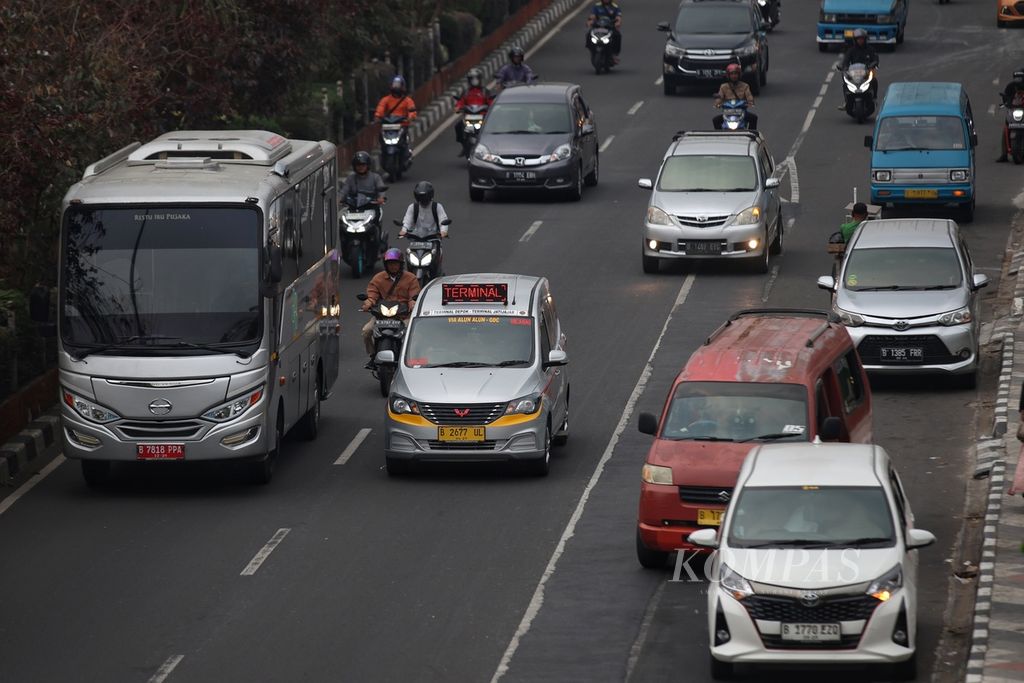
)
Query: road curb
[
  {"x": 21, "y": 455},
  {"x": 986, "y": 576}
]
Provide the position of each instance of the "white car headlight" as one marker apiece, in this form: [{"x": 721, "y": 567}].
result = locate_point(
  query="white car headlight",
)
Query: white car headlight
[
  {"x": 734, "y": 584},
  {"x": 483, "y": 154},
  {"x": 1017, "y": 114},
  {"x": 656, "y": 216},
  {"x": 656, "y": 474},
  {"x": 885, "y": 586},
  {"x": 748, "y": 216},
  {"x": 560, "y": 154},
  {"x": 848, "y": 318},
  {"x": 235, "y": 407},
  {"x": 957, "y": 317},
  {"x": 881, "y": 176},
  {"x": 403, "y": 406},
  {"x": 527, "y": 405},
  {"x": 90, "y": 410},
  {"x": 959, "y": 175}
]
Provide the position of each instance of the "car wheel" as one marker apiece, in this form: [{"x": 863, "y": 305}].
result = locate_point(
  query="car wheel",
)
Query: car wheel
[
  {"x": 899, "y": 36},
  {"x": 592, "y": 177},
  {"x": 906, "y": 670},
  {"x": 720, "y": 671},
  {"x": 651, "y": 265},
  {"x": 262, "y": 471},
  {"x": 760, "y": 264},
  {"x": 539, "y": 467},
  {"x": 780, "y": 232},
  {"x": 398, "y": 467},
  {"x": 966, "y": 382},
  {"x": 309, "y": 426},
  {"x": 575, "y": 193},
  {"x": 649, "y": 559},
  {"x": 476, "y": 194},
  {"x": 96, "y": 472},
  {"x": 562, "y": 435}
]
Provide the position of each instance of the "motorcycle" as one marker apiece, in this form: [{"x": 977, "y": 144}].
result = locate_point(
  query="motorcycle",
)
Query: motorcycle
[
  {"x": 388, "y": 335},
  {"x": 395, "y": 155},
  {"x": 1013, "y": 134},
  {"x": 600, "y": 44},
  {"x": 424, "y": 255},
  {"x": 362, "y": 238},
  {"x": 734, "y": 115},
  {"x": 771, "y": 12},
  {"x": 472, "y": 121},
  {"x": 859, "y": 87}
]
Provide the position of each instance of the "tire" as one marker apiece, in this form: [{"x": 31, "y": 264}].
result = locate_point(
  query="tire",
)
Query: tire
[
  {"x": 561, "y": 437},
  {"x": 649, "y": 559},
  {"x": 309, "y": 425},
  {"x": 397, "y": 468},
  {"x": 476, "y": 194},
  {"x": 755, "y": 84},
  {"x": 1018, "y": 149},
  {"x": 262, "y": 471},
  {"x": 967, "y": 213},
  {"x": 720, "y": 671},
  {"x": 651, "y": 265},
  {"x": 822, "y": 47},
  {"x": 575, "y": 193},
  {"x": 906, "y": 670},
  {"x": 668, "y": 86},
  {"x": 777, "y": 243},
  {"x": 96, "y": 473},
  {"x": 590, "y": 180},
  {"x": 764, "y": 75},
  {"x": 760, "y": 264},
  {"x": 539, "y": 467},
  {"x": 358, "y": 265}
]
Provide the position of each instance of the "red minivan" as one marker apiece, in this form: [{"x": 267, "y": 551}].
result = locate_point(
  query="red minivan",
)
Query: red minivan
[{"x": 765, "y": 375}]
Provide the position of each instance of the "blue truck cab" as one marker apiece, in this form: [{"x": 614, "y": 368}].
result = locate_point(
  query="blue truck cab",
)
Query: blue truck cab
[
  {"x": 922, "y": 150},
  {"x": 884, "y": 20}
]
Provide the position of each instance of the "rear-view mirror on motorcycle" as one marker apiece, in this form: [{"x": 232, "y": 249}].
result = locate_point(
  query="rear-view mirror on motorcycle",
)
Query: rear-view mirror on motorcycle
[
  {"x": 446, "y": 221},
  {"x": 397, "y": 222},
  {"x": 362, "y": 296}
]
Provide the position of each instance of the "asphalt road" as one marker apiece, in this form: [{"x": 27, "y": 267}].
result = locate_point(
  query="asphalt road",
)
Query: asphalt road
[{"x": 429, "y": 578}]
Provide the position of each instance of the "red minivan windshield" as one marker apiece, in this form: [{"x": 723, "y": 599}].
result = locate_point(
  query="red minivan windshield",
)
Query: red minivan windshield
[{"x": 736, "y": 411}]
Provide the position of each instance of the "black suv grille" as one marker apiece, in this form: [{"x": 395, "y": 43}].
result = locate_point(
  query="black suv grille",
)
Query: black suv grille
[
  {"x": 462, "y": 413},
  {"x": 829, "y": 610},
  {"x": 711, "y": 495},
  {"x": 935, "y": 352}
]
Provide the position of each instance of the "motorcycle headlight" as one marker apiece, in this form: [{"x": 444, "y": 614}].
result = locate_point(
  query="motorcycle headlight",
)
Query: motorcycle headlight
[
  {"x": 732, "y": 125},
  {"x": 850, "y": 85},
  {"x": 734, "y": 584},
  {"x": 403, "y": 406},
  {"x": 424, "y": 260},
  {"x": 1017, "y": 114},
  {"x": 483, "y": 154},
  {"x": 560, "y": 154},
  {"x": 749, "y": 216},
  {"x": 674, "y": 50},
  {"x": 91, "y": 411},
  {"x": 606, "y": 39},
  {"x": 885, "y": 586},
  {"x": 235, "y": 407},
  {"x": 355, "y": 226},
  {"x": 656, "y": 474},
  {"x": 389, "y": 311},
  {"x": 958, "y": 317},
  {"x": 656, "y": 216},
  {"x": 848, "y": 318},
  {"x": 412, "y": 258},
  {"x": 881, "y": 176},
  {"x": 959, "y": 175},
  {"x": 762, "y": 3},
  {"x": 527, "y": 405}
]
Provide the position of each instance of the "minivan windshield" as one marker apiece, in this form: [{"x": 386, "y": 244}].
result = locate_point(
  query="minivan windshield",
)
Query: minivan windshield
[
  {"x": 737, "y": 411},
  {"x": 714, "y": 19},
  {"x": 899, "y": 268},
  {"x": 830, "y": 516},
  {"x": 897, "y": 133},
  {"x": 525, "y": 118},
  {"x": 708, "y": 173},
  {"x": 470, "y": 341}
]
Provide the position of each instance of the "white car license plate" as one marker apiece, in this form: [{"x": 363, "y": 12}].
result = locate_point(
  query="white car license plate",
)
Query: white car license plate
[
  {"x": 913, "y": 354},
  {"x": 811, "y": 633}
]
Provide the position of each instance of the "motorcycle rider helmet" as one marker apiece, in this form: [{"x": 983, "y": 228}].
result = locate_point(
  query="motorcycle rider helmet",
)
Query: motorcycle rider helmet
[
  {"x": 423, "y": 193},
  {"x": 859, "y": 33},
  {"x": 397, "y": 86},
  {"x": 394, "y": 255},
  {"x": 474, "y": 78},
  {"x": 361, "y": 158},
  {"x": 733, "y": 69},
  {"x": 516, "y": 51}
]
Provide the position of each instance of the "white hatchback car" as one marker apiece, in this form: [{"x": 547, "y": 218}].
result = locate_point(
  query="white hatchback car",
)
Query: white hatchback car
[{"x": 816, "y": 562}]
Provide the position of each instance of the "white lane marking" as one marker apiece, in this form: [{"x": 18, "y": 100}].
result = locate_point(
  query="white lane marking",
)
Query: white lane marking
[
  {"x": 645, "y": 627},
  {"x": 661, "y": 79},
  {"x": 534, "y": 227},
  {"x": 264, "y": 553},
  {"x": 768, "y": 285},
  {"x": 790, "y": 162},
  {"x": 607, "y": 141},
  {"x": 809, "y": 118},
  {"x": 350, "y": 449},
  {"x": 558, "y": 27},
  {"x": 166, "y": 668},
  {"x": 995, "y": 81},
  {"x": 794, "y": 180},
  {"x": 10, "y": 500},
  {"x": 817, "y": 102},
  {"x": 635, "y": 108},
  {"x": 991, "y": 109},
  {"x": 824, "y": 89},
  {"x": 790, "y": 223},
  {"x": 831, "y": 73},
  {"x": 537, "y": 601}
]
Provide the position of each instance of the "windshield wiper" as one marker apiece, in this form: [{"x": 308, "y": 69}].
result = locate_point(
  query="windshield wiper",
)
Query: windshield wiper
[
  {"x": 771, "y": 437},
  {"x": 459, "y": 364},
  {"x": 903, "y": 149},
  {"x": 867, "y": 540},
  {"x": 127, "y": 342},
  {"x": 934, "y": 287},
  {"x": 508, "y": 363},
  {"x": 795, "y": 543},
  {"x": 516, "y": 132},
  {"x": 203, "y": 347},
  {"x": 880, "y": 288},
  {"x": 704, "y": 438},
  {"x": 131, "y": 343}
]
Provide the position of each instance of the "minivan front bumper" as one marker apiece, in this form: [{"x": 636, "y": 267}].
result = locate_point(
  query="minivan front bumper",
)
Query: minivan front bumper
[
  {"x": 509, "y": 438},
  {"x": 951, "y": 350}
]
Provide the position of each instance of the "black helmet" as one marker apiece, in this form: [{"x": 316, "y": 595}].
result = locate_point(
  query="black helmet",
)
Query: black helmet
[
  {"x": 423, "y": 193},
  {"x": 361, "y": 158},
  {"x": 516, "y": 51},
  {"x": 474, "y": 77}
]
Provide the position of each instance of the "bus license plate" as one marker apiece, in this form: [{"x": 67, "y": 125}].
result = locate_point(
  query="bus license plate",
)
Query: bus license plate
[
  {"x": 811, "y": 633},
  {"x": 921, "y": 194},
  {"x": 160, "y": 451},
  {"x": 709, "y": 517},
  {"x": 903, "y": 354},
  {"x": 461, "y": 433}
]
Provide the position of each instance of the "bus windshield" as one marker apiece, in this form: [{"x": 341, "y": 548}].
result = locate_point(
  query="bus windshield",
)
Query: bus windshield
[{"x": 161, "y": 277}]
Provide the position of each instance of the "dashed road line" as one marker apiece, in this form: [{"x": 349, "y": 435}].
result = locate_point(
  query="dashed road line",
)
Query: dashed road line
[
  {"x": 635, "y": 108},
  {"x": 166, "y": 668},
  {"x": 534, "y": 227},
  {"x": 768, "y": 285},
  {"x": 607, "y": 141},
  {"x": 661, "y": 79},
  {"x": 645, "y": 627},
  {"x": 264, "y": 553},
  {"x": 10, "y": 500},
  {"x": 991, "y": 109},
  {"x": 354, "y": 444},
  {"x": 794, "y": 180}
]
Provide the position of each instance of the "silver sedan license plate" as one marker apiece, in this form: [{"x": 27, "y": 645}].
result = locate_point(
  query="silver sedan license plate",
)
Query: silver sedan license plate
[
  {"x": 912, "y": 354},
  {"x": 811, "y": 633}
]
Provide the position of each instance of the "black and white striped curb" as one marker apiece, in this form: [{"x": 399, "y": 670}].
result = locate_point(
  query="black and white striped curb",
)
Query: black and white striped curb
[
  {"x": 18, "y": 455},
  {"x": 986, "y": 576},
  {"x": 441, "y": 108},
  {"x": 1001, "y": 411}
]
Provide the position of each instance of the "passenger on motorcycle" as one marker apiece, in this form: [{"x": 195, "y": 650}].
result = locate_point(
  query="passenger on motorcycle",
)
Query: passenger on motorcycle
[
  {"x": 396, "y": 103},
  {"x": 476, "y": 94},
  {"x": 1013, "y": 95},
  {"x": 859, "y": 53},
  {"x": 424, "y": 217},
  {"x": 734, "y": 89},
  {"x": 394, "y": 283},
  {"x": 610, "y": 9},
  {"x": 516, "y": 71}
]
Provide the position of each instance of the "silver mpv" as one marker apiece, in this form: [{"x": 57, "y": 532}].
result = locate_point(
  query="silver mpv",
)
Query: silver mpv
[
  {"x": 716, "y": 196},
  {"x": 481, "y": 377},
  {"x": 908, "y": 294}
]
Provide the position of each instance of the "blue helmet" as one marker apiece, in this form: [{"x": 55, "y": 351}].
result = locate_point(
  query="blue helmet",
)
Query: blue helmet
[{"x": 398, "y": 84}]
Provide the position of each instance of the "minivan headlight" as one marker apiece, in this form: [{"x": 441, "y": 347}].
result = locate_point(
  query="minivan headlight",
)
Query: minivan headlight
[
  {"x": 527, "y": 405},
  {"x": 848, "y": 318},
  {"x": 561, "y": 153},
  {"x": 828, "y": 18},
  {"x": 748, "y": 216},
  {"x": 235, "y": 407},
  {"x": 885, "y": 586},
  {"x": 483, "y": 154},
  {"x": 734, "y": 584},
  {"x": 958, "y": 317},
  {"x": 881, "y": 176},
  {"x": 91, "y": 411},
  {"x": 400, "y": 405},
  {"x": 959, "y": 175},
  {"x": 656, "y": 216},
  {"x": 656, "y": 474}
]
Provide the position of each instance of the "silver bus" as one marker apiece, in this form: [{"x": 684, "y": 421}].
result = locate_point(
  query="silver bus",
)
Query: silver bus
[{"x": 198, "y": 316}]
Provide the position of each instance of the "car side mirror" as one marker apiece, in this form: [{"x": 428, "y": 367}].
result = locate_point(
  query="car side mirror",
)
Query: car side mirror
[
  {"x": 386, "y": 357},
  {"x": 645, "y": 184},
  {"x": 827, "y": 282},
  {"x": 772, "y": 183},
  {"x": 664, "y": 27},
  {"x": 708, "y": 538},
  {"x": 919, "y": 538},
  {"x": 831, "y": 428},
  {"x": 869, "y": 140},
  {"x": 274, "y": 258},
  {"x": 647, "y": 423},
  {"x": 556, "y": 357},
  {"x": 39, "y": 304},
  {"x": 980, "y": 280}
]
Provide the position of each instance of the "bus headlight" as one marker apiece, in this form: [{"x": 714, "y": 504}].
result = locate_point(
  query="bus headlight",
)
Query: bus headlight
[
  {"x": 93, "y": 412},
  {"x": 235, "y": 407}
]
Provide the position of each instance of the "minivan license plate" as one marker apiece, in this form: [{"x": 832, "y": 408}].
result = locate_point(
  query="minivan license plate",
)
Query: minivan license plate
[
  {"x": 710, "y": 73},
  {"x": 921, "y": 194},
  {"x": 704, "y": 247},
  {"x": 160, "y": 451},
  {"x": 520, "y": 176},
  {"x": 811, "y": 633},
  {"x": 461, "y": 433},
  {"x": 906, "y": 354},
  {"x": 709, "y": 517}
]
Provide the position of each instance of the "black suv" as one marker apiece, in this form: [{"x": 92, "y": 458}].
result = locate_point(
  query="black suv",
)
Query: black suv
[{"x": 707, "y": 36}]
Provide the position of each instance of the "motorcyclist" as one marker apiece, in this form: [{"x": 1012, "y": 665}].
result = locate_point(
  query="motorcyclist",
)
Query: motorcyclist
[
  {"x": 860, "y": 52},
  {"x": 396, "y": 103},
  {"x": 610, "y": 9},
  {"x": 1013, "y": 94},
  {"x": 424, "y": 217},
  {"x": 394, "y": 283},
  {"x": 363, "y": 181},
  {"x": 734, "y": 89},
  {"x": 476, "y": 94},
  {"x": 515, "y": 71}
]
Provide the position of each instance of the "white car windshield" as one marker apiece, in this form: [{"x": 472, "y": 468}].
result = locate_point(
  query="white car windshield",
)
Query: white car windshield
[
  {"x": 708, "y": 173},
  {"x": 470, "y": 341},
  {"x": 902, "y": 268}
]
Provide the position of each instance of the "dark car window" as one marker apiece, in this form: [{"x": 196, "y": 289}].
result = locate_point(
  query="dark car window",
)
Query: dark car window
[
  {"x": 541, "y": 118},
  {"x": 714, "y": 19},
  {"x": 736, "y": 411},
  {"x": 920, "y": 132}
]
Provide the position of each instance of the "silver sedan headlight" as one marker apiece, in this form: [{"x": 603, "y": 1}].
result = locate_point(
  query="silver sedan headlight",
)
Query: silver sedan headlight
[
  {"x": 656, "y": 216},
  {"x": 958, "y": 317},
  {"x": 848, "y": 318},
  {"x": 748, "y": 216}
]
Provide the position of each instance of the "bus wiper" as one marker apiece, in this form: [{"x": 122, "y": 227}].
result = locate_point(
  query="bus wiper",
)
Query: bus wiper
[
  {"x": 204, "y": 347},
  {"x": 127, "y": 342},
  {"x": 132, "y": 343},
  {"x": 771, "y": 437}
]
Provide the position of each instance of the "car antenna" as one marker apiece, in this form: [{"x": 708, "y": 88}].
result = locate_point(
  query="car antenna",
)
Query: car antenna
[{"x": 515, "y": 288}]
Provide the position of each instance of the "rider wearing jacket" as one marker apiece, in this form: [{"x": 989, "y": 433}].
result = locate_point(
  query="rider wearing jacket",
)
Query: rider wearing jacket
[
  {"x": 476, "y": 95},
  {"x": 859, "y": 53},
  {"x": 363, "y": 180},
  {"x": 396, "y": 103},
  {"x": 394, "y": 283},
  {"x": 516, "y": 71},
  {"x": 610, "y": 9},
  {"x": 424, "y": 217},
  {"x": 735, "y": 89},
  {"x": 1013, "y": 95}
]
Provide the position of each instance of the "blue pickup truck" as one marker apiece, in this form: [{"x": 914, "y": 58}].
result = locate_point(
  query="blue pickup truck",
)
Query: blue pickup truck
[{"x": 884, "y": 20}]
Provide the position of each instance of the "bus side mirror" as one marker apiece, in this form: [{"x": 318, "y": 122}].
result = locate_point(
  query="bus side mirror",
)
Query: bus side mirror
[{"x": 273, "y": 263}]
